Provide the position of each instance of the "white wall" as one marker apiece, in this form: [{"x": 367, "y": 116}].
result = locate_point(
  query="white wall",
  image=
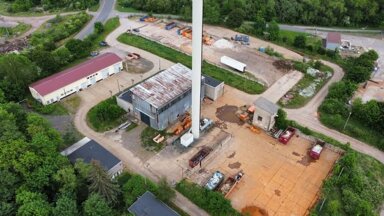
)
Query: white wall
[
  {"x": 268, "y": 120},
  {"x": 77, "y": 85}
]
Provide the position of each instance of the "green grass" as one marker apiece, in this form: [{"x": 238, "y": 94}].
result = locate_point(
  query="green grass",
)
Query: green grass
[
  {"x": 354, "y": 129},
  {"x": 71, "y": 103},
  {"x": 18, "y": 30},
  {"x": 147, "y": 142},
  {"x": 106, "y": 115},
  {"x": 51, "y": 109},
  {"x": 4, "y": 6},
  {"x": 121, "y": 8},
  {"x": 232, "y": 79},
  {"x": 95, "y": 7}
]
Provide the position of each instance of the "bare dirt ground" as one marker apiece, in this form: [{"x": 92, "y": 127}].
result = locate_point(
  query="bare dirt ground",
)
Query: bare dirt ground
[
  {"x": 279, "y": 179},
  {"x": 373, "y": 91},
  {"x": 259, "y": 64}
]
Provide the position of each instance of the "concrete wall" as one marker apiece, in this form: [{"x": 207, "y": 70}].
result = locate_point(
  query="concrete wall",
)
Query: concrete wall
[
  {"x": 332, "y": 46},
  {"x": 128, "y": 107},
  {"x": 214, "y": 92},
  {"x": 77, "y": 85},
  {"x": 267, "y": 122}
]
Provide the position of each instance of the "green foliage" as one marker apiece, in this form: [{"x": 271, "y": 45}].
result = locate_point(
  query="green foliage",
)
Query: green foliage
[
  {"x": 31, "y": 203},
  {"x": 260, "y": 25},
  {"x": 96, "y": 205},
  {"x": 235, "y": 18},
  {"x": 65, "y": 206},
  {"x": 300, "y": 41},
  {"x": 232, "y": 79},
  {"x": 164, "y": 191},
  {"x": 51, "y": 109},
  {"x": 16, "y": 72},
  {"x": 147, "y": 136},
  {"x": 270, "y": 51},
  {"x": 99, "y": 28},
  {"x": 213, "y": 202},
  {"x": 45, "y": 60},
  {"x": 59, "y": 28},
  {"x": 29, "y": 5},
  {"x": 105, "y": 115},
  {"x": 100, "y": 182},
  {"x": 273, "y": 30},
  {"x": 79, "y": 48},
  {"x": 135, "y": 187},
  {"x": 359, "y": 69},
  {"x": 281, "y": 119},
  {"x": 18, "y": 30},
  {"x": 342, "y": 91}
]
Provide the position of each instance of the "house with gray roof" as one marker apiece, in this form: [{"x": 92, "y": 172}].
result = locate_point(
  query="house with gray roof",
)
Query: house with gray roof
[
  {"x": 265, "y": 113},
  {"x": 88, "y": 150},
  {"x": 148, "y": 205}
]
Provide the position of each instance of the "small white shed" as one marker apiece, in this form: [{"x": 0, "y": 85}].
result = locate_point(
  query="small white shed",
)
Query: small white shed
[{"x": 213, "y": 88}]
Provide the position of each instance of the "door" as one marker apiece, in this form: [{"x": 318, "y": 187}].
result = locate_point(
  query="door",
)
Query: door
[
  {"x": 84, "y": 85},
  {"x": 104, "y": 74},
  {"x": 93, "y": 80},
  {"x": 144, "y": 118}
]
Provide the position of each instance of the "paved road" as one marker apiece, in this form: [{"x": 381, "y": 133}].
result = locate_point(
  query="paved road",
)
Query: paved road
[
  {"x": 299, "y": 28},
  {"x": 100, "y": 91},
  {"x": 101, "y": 15}
]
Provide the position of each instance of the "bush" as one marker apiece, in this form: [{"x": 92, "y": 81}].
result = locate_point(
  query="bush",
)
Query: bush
[
  {"x": 281, "y": 119},
  {"x": 99, "y": 28},
  {"x": 105, "y": 115},
  {"x": 211, "y": 201},
  {"x": 300, "y": 41}
]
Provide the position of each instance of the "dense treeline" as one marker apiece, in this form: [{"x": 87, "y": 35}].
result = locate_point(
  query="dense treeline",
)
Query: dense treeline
[
  {"x": 27, "y": 5},
  {"x": 310, "y": 12}
]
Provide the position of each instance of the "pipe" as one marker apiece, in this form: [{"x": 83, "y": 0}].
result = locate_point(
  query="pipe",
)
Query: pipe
[{"x": 197, "y": 32}]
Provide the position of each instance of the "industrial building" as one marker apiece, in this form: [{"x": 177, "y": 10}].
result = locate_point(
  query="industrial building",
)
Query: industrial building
[
  {"x": 69, "y": 81},
  {"x": 159, "y": 100},
  {"x": 148, "y": 205},
  {"x": 265, "y": 113},
  {"x": 332, "y": 41},
  {"x": 88, "y": 150},
  {"x": 213, "y": 88}
]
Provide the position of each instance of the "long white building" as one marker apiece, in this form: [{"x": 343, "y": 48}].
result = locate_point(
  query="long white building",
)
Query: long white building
[{"x": 67, "y": 82}]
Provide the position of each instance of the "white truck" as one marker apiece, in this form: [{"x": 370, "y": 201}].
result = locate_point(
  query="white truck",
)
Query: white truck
[{"x": 239, "y": 66}]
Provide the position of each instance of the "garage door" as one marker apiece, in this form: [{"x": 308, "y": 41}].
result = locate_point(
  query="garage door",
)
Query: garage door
[
  {"x": 93, "y": 80},
  {"x": 104, "y": 74},
  {"x": 144, "y": 118}
]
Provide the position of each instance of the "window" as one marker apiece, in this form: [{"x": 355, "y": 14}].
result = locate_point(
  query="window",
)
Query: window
[{"x": 259, "y": 118}]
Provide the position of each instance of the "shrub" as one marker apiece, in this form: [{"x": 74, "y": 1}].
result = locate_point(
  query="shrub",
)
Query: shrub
[
  {"x": 300, "y": 41},
  {"x": 105, "y": 115}
]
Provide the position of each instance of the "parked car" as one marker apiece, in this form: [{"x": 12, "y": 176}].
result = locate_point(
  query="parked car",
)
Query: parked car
[
  {"x": 215, "y": 180},
  {"x": 94, "y": 53},
  {"x": 103, "y": 43}
]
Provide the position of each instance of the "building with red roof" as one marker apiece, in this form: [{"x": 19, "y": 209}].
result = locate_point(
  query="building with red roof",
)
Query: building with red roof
[
  {"x": 79, "y": 77},
  {"x": 333, "y": 41}
]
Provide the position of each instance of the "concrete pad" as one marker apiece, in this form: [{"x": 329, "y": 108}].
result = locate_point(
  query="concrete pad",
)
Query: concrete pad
[{"x": 282, "y": 86}]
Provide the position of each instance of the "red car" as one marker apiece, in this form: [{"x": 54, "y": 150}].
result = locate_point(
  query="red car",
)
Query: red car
[
  {"x": 316, "y": 151},
  {"x": 287, "y": 135}
]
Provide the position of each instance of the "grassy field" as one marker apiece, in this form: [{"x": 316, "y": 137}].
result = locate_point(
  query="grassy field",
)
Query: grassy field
[
  {"x": 119, "y": 7},
  {"x": 4, "y": 6},
  {"x": 51, "y": 109},
  {"x": 147, "y": 139},
  {"x": 354, "y": 129},
  {"x": 18, "y": 30},
  {"x": 232, "y": 79}
]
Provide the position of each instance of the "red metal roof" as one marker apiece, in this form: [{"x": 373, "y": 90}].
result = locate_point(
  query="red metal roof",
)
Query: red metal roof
[
  {"x": 334, "y": 37},
  {"x": 70, "y": 75}
]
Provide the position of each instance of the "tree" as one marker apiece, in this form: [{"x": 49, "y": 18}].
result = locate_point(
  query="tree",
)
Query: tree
[
  {"x": 342, "y": 91},
  {"x": 300, "y": 41},
  {"x": 212, "y": 12},
  {"x": 101, "y": 183},
  {"x": 96, "y": 205},
  {"x": 99, "y": 27},
  {"x": 45, "y": 60},
  {"x": 274, "y": 31},
  {"x": 281, "y": 119},
  {"x": 164, "y": 191},
  {"x": 17, "y": 72},
  {"x": 31, "y": 203},
  {"x": 2, "y": 97},
  {"x": 260, "y": 25},
  {"x": 67, "y": 180},
  {"x": 79, "y": 48},
  {"x": 62, "y": 56},
  {"x": 235, "y": 18},
  {"x": 65, "y": 206}
]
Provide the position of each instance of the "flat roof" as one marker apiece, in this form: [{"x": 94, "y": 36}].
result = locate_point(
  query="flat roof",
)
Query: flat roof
[
  {"x": 73, "y": 74},
  {"x": 212, "y": 81},
  {"x": 266, "y": 105},
  {"x": 148, "y": 205},
  {"x": 89, "y": 150},
  {"x": 165, "y": 86},
  {"x": 333, "y": 37}
]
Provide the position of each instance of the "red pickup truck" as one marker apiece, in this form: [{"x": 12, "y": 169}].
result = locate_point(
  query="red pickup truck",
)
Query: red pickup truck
[{"x": 287, "y": 135}]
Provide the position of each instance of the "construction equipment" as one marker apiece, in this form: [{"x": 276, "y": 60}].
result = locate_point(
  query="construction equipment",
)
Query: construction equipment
[
  {"x": 199, "y": 156},
  {"x": 148, "y": 19},
  {"x": 215, "y": 180},
  {"x": 287, "y": 135},
  {"x": 230, "y": 184},
  {"x": 207, "y": 40},
  {"x": 170, "y": 25},
  {"x": 243, "y": 39},
  {"x": 187, "y": 33}
]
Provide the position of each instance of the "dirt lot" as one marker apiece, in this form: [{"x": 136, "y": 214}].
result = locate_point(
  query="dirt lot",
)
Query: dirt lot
[
  {"x": 279, "y": 179},
  {"x": 259, "y": 64},
  {"x": 373, "y": 91}
]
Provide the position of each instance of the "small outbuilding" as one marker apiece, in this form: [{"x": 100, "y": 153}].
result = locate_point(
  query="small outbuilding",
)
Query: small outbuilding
[
  {"x": 213, "y": 88},
  {"x": 265, "y": 113},
  {"x": 148, "y": 205},
  {"x": 333, "y": 41},
  {"x": 88, "y": 150}
]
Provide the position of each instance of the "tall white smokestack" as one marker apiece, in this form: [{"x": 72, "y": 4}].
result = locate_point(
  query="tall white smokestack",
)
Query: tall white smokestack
[{"x": 197, "y": 32}]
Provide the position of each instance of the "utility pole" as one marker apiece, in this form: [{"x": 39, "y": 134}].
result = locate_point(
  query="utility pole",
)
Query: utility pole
[{"x": 345, "y": 125}]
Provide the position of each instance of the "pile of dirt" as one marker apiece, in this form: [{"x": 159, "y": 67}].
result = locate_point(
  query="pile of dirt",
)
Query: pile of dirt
[
  {"x": 254, "y": 211},
  {"x": 283, "y": 65},
  {"x": 227, "y": 113},
  {"x": 223, "y": 44},
  {"x": 15, "y": 45}
]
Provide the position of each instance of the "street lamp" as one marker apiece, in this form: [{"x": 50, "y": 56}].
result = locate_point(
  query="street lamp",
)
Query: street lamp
[{"x": 346, "y": 122}]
